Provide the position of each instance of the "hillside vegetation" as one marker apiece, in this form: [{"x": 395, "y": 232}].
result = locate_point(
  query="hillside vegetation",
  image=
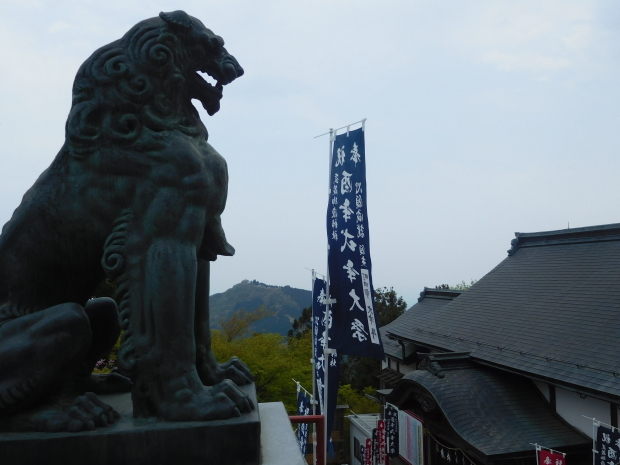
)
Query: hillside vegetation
[{"x": 285, "y": 302}]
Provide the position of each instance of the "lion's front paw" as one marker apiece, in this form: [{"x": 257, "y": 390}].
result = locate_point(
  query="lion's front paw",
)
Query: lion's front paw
[
  {"x": 83, "y": 413},
  {"x": 184, "y": 398},
  {"x": 230, "y": 389},
  {"x": 234, "y": 370}
]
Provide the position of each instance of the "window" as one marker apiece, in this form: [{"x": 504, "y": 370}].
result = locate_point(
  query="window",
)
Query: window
[{"x": 356, "y": 449}]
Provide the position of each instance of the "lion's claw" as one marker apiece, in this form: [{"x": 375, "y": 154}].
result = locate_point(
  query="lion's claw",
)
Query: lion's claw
[{"x": 230, "y": 390}]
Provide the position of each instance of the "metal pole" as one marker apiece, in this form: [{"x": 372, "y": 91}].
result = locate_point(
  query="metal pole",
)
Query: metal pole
[
  {"x": 312, "y": 361},
  {"x": 326, "y": 351},
  {"x": 594, "y": 451}
]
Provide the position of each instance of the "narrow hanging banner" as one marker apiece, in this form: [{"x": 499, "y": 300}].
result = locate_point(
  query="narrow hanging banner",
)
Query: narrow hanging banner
[
  {"x": 607, "y": 445},
  {"x": 381, "y": 442},
  {"x": 303, "y": 408},
  {"x": 391, "y": 430},
  {"x": 548, "y": 457},
  {"x": 354, "y": 330},
  {"x": 319, "y": 320}
]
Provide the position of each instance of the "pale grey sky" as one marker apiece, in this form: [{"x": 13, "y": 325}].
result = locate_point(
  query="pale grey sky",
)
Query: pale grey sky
[{"x": 484, "y": 118}]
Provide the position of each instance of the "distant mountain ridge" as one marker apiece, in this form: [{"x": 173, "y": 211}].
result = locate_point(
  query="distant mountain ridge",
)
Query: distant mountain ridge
[{"x": 287, "y": 302}]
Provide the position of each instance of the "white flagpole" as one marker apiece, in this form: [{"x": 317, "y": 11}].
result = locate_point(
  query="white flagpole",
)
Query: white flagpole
[
  {"x": 314, "y": 397},
  {"x": 326, "y": 351}
]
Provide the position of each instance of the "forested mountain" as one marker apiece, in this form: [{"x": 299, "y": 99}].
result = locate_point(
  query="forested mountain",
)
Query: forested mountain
[{"x": 286, "y": 303}]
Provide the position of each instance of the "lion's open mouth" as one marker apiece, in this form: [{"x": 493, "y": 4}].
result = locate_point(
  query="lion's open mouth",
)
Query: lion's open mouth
[
  {"x": 208, "y": 82},
  {"x": 208, "y": 89}
]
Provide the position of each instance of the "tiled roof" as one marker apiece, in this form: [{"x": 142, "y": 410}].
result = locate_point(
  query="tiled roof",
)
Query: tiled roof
[
  {"x": 497, "y": 413},
  {"x": 429, "y": 301},
  {"x": 390, "y": 347},
  {"x": 551, "y": 309},
  {"x": 389, "y": 376}
]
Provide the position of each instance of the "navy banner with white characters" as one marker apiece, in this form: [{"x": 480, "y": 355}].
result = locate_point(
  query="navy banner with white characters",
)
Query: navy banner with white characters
[
  {"x": 355, "y": 329},
  {"x": 303, "y": 408},
  {"x": 319, "y": 319},
  {"x": 607, "y": 445},
  {"x": 391, "y": 430}
]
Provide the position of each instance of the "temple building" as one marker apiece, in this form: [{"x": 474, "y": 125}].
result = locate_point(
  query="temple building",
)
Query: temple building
[{"x": 528, "y": 355}]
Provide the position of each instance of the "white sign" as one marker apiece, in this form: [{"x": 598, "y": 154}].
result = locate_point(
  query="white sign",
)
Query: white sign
[{"x": 410, "y": 438}]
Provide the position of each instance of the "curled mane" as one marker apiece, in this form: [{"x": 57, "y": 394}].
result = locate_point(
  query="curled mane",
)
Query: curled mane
[{"x": 129, "y": 92}]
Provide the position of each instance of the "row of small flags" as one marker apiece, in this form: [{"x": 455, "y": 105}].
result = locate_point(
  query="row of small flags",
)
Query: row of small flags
[
  {"x": 449, "y": 455},
  {"x": 384, "y": 441},
  {"x": 375, "y": 451}
]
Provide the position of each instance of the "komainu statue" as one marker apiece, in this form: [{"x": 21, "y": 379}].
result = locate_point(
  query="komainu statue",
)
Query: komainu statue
[{"x": 135, "y": 194}]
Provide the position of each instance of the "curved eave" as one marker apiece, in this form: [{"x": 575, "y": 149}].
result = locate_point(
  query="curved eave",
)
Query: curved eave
[{"x": 497, "y": 414}]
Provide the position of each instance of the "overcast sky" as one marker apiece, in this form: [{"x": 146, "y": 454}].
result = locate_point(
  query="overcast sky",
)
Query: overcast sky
[{"x": 484, "y": 118}]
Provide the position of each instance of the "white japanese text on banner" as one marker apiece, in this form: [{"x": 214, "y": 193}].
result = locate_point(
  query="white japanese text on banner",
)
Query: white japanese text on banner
[{"x": 355, "y": 329}]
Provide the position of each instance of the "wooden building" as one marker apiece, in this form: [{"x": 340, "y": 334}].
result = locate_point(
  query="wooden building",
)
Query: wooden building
[{"x": 527, "y": 355}]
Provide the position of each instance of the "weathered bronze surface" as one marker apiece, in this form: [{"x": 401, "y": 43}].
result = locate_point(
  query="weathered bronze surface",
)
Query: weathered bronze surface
[{"x": 135, "y": 193}]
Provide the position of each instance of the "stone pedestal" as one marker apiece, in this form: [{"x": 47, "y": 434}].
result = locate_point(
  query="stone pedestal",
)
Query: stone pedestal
[{"x": 142, "y": 442}]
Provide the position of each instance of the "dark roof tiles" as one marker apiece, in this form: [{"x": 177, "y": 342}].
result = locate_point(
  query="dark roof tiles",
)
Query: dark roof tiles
[
  {"x": 549, "y": 310},
  {"x": 497, "y": 414}
]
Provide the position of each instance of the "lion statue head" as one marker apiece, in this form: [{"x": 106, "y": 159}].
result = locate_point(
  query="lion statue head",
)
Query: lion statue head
[{"x": 131, "y": 92}]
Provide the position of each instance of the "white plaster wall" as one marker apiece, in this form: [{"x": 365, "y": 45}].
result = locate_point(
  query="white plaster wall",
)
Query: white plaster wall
[
  {"x": 542, "y": 387},
  {"x": 571, "y": 407},
  {"x": 356, "y": 433},
  {"x": 404, "y": 369},
  {"x": 384, "y": 364}
]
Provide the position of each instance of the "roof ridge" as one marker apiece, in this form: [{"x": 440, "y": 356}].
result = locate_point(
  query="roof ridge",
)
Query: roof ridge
[
  {"x": 439, "y": 293},
  {"x": 604, "y": 232},
  {"x": 505, "y": 348}
]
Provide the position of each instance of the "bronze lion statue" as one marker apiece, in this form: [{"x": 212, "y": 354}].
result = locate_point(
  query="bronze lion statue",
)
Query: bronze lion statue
[{"x": 135, "y": 193}]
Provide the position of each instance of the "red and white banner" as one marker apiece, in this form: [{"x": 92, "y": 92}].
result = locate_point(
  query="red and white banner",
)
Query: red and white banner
[
  {"x": 546, "y": 457},
  {"x": 368, "y": 452},
  {"x": 381, "y": 440}
]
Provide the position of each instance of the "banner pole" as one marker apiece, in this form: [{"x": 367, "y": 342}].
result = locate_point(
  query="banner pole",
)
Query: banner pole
[
  {"x": 594, "y": 444},
  {"x": 327, "y": 307},
  {"x": 314, "y": 397}
]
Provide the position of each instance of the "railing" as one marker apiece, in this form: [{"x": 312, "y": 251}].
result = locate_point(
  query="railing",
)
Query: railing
[{"x": 319, "y": 421}]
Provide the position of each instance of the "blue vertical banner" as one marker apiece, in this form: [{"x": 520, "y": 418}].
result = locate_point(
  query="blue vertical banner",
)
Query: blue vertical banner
[
  {"x": 319, "y": 320},
  {"x": 375, "y": 446},
  {"x": 303, "y": 408},
  {"x": 354, "y": 330},
  {"x": 391, "y": 430}
]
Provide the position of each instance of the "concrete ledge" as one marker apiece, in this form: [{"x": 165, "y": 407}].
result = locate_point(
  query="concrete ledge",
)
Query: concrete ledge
[
  {"x": 144, "y": 441},
  {"x": 278, "y": 442}
]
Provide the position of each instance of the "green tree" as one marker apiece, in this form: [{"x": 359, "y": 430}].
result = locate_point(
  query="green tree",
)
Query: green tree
[
  {"x": 462, "y": 286},
  {"x": 356, "y": 399},
  {"x": 389, "y": 305},
  {"x": 303, "y": 324},
  {"x": 239, "y": 323},
  {"x": 273, "y": 359}
]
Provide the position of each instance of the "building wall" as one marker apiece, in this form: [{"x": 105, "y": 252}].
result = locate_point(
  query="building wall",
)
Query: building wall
[
  {"x": 361, "y": 429},
  {"x": 570, "y": 406},
  {"x": 395, "y": 365},
  {"x": 543, "y": 388},
  {"x": 404, "y": 369},
  {"x": 356, "y": 433}
]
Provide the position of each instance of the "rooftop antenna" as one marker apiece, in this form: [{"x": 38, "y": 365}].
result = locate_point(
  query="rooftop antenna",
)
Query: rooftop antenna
[{"x": 568, "y": 225}]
